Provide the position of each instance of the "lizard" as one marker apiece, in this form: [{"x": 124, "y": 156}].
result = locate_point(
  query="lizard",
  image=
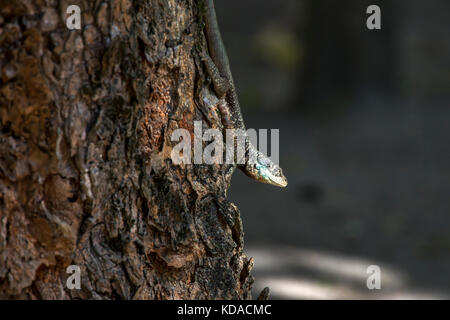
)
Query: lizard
[{"x": 256, "y": 165}]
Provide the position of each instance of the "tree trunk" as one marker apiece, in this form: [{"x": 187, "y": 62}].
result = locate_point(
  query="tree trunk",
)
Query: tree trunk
[{"x": 86, "y": 176}]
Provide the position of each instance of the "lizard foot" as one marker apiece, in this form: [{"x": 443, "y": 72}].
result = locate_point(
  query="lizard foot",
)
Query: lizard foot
[{"x": 221, "y": 84}]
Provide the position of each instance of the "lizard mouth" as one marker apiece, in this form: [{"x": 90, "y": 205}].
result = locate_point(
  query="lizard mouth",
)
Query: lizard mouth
[
  {"x": 262, "y": 174},
  {"x": 266, "y": 175},
  {"x": 279, "y": 182}
]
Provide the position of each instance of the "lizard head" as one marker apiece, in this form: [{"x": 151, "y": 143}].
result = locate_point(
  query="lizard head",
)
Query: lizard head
[{"x": 264, "y": 170}]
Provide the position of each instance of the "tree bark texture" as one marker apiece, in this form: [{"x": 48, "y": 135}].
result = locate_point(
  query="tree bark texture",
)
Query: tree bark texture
[{"x": 86, "y": 176}]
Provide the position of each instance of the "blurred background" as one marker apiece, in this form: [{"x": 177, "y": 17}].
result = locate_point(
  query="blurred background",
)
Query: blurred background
[{"x": 364, "y": 141}]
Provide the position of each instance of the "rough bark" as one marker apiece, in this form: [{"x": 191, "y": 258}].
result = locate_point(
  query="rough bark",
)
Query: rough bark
[{"x": 85, "y": 171}]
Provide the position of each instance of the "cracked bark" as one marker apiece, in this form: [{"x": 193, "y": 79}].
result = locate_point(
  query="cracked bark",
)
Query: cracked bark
[{"x": 85, "y": 172}]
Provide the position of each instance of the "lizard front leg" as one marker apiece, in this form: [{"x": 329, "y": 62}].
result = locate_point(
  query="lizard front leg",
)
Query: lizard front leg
[{"x": 256, "y": 165}]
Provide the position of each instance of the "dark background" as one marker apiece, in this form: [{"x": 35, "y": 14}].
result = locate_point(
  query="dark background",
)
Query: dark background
[{"x": 364, "y": 141}]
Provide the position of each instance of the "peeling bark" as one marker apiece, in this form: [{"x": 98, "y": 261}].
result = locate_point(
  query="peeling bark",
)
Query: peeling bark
[{"x": 86, "y": 177}]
